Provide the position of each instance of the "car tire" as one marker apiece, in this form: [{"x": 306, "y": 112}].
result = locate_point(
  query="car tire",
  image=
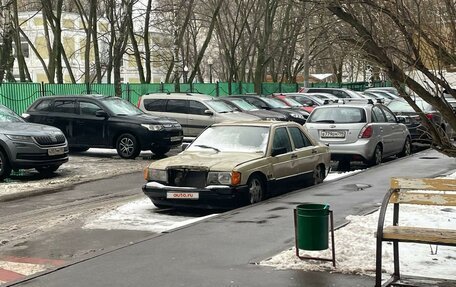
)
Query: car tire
[
  {"x": 47, "y": 169},
  {"x": 5, "y": 168},
  {"x": 377, "y": 156},
  {"x": 127, "y": 146},
  {"x": 318, "y": 175},
  {"x": 256, "y": 189},
  {"x": 160, "y": 150},
  {"x": 407, "y": 149}
]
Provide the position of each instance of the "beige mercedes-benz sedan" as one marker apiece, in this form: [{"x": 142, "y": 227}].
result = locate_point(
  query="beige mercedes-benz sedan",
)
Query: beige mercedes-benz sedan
[{"x": 239, "y": 162}]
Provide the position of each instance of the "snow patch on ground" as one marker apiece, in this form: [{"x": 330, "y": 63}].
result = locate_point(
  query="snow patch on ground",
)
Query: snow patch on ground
[
  {"x": 355, "y": 246},
  {"x": 140, "y": 215}
]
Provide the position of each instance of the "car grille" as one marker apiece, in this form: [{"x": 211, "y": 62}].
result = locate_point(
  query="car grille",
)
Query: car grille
[
  {"x": 50, "y": 140},
  {"x": 188, "y": 178}
]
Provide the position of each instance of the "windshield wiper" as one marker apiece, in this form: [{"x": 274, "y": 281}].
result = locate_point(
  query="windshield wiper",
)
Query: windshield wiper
[
  {"x": 206, "y": 146},
  {"x": 325, "y": 121}
]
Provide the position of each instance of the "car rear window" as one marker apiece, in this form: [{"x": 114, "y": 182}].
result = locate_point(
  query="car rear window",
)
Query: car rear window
[
  {"x": 403, "y": 106},
  {"x": 339, "y": 115}
]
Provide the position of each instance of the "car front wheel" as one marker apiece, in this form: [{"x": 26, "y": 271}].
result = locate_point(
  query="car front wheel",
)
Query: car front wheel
[
  {"x": 127, "y": 146},
  {"x": 256, "y": 189},
  {"x": 5, "y": 168}
]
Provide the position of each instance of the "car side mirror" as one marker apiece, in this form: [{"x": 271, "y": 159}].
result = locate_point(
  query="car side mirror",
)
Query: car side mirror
[
  {"x": 400, "y": 120},
  {"x": 208, "y": 112},
  {"x": 278, "y": 151},
  {"x": 101, "y": 114}
]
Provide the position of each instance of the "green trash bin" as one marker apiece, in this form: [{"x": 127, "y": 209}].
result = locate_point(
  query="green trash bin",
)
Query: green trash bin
[{"x": 312, "y": 226}]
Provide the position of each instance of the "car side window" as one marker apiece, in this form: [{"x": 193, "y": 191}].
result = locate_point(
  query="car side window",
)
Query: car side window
[
  {"x": 197, "y": 108},
  {"x": 156, "y": 105},
  {"x": 389, "y": 116},
  {"x": 281, "y": 139},
  {"x": 44, "y": 106},
  {"x": 65, "y": 106},
  {"x": 256, "y": 102},
  {"x": 299, "y": 138},
  {"x": 177, "y": 106},
  {"x": 377, "y": 115},
  {"x": 87, "y": 108}
]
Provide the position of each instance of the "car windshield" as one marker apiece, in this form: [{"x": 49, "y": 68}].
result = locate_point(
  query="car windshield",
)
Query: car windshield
[
  {"x": 219, "y": 106},
  {"x": 8, "y": 116},
  {"x": 339, "y": 115},
  {"x": 244, "y": 105},
  {"x": 292, "y": 102},
  {"x": 121, "y": 107},
  {"x": 232, "y": 139},
  {"x": 274, "y": 103},
  {"x": 403, "y": 106}
]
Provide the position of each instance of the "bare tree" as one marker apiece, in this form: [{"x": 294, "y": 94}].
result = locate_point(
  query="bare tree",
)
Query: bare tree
[{"x": 401, "y": 36}]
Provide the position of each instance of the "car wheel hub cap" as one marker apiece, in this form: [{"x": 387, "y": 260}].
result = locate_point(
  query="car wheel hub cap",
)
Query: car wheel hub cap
[
  {"x": 126, "y": 146},
  {"x": 255, "y": 191}
]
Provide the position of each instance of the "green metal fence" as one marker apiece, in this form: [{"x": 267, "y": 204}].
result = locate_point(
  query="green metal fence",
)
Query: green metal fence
[{"x": 19, "y": 96}]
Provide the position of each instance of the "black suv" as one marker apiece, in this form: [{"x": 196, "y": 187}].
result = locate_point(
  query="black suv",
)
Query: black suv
[{"x": 106, "y": 122}]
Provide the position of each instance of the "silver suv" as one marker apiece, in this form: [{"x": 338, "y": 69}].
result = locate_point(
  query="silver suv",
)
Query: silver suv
[
  {"x": 359, "y": 131},
  {"x": 194, "y": 112},
  {"x": 25, "y": 145}
]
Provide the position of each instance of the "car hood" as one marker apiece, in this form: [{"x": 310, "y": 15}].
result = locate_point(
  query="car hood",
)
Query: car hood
[
  {"x": 265, "y": 114},
  {"x": 211, "y": 160},
  {"x": 27, "y": 129}
]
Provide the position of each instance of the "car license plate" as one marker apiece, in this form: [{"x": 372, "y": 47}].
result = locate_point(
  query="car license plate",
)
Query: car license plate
[
  {"x": 56, "y": 151},
  {"x": 332, "y": 134},
  {"x": 182, "y": 195},
  {"x": 175, "y": 139}
]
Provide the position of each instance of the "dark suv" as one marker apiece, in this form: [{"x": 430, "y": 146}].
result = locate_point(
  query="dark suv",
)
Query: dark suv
[
  {"x": 24, "y": 145},
  {"x": 106, "y": 122}
]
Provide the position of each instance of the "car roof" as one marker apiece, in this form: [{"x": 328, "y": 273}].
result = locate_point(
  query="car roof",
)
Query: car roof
[
  {"x": 257, "y": 123},
  {"x": 182, "y": 96},
  {"x": 85, "y": 96}
]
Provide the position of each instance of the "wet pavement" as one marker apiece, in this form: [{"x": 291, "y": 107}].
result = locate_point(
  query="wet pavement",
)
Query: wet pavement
[{"x": 225, "y": 250}]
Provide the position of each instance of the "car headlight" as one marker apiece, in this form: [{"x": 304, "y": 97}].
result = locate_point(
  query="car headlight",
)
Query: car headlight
[
  {"x": 298, "y": 116},
  {"x": 224, "y": 177},
  {"x": 18, "y": 138},
  {"x": 152, "y": 174},
  {"x": 153, "y": 127}
]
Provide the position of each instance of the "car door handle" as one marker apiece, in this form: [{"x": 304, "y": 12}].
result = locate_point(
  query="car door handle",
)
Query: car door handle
[
  {"x": 294, "y": 156},
  {"x": 314, "y": 151}
]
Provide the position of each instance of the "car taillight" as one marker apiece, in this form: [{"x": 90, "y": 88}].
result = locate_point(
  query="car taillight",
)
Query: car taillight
[
  {"x": 139, "y": 102},
  {"x": 430, "y": 116},
  {"x": 366, "y": 132}
]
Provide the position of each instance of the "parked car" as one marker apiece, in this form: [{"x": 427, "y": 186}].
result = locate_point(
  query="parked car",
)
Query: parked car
[
  {"x": 24, "y": 145},
  {"x": 341, "y": 93},
  {"x": 391, "y": 90},
  {"x": 106, "y": 122},
  {"x": 194, "y": 112},
  {"x": 311, "y": 99},
  {"x": 241, "y": 105},
  {"x": 292, "y": 114},
  {"x": 293, "y": 103},
  {"x": 418, "y": 131},
  {"x": 357, "y": 131},
  {"x": 236, "y": 163}
]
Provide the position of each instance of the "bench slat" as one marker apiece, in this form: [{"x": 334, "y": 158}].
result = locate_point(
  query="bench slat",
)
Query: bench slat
[
  {"x": 447, "y": 198},
  {"x": 420, "y": 235},
  {"x": 423, "y": 183}
]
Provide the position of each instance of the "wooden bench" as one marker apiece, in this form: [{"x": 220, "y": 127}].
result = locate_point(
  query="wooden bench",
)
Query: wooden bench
[{"x": 422, "y": 191}]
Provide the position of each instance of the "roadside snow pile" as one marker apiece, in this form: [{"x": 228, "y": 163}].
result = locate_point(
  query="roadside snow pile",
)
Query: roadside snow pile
[
  {"x": 90, "y": 165},
  {"x": 355, "y": 246}
]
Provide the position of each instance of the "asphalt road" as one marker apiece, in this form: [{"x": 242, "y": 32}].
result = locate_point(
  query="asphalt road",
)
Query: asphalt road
[{"x": 224, "y": 250}]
